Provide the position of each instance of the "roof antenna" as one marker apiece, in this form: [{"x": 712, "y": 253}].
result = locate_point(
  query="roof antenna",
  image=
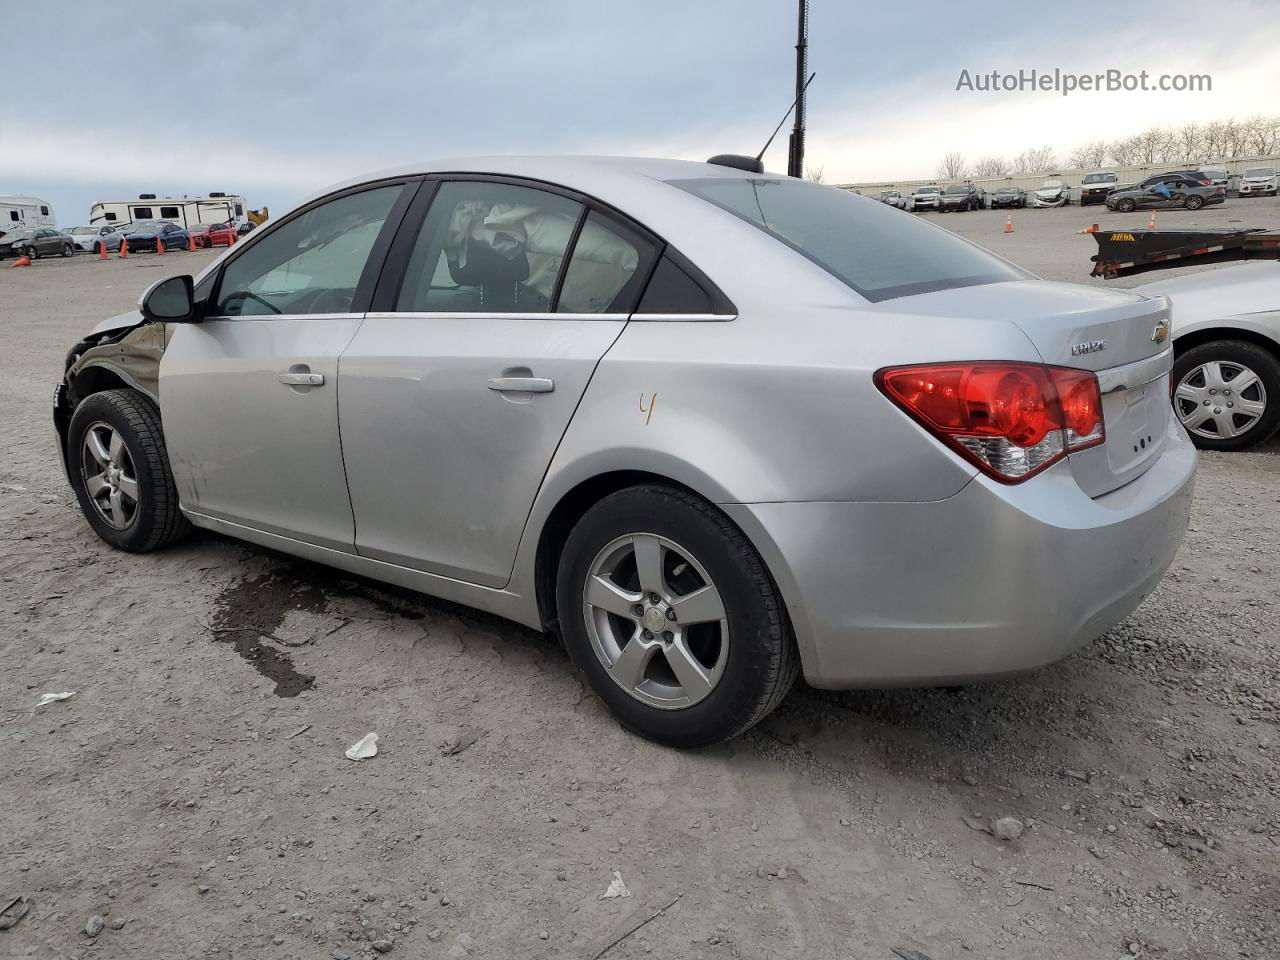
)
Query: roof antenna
[
  {"x": 760, "y": 155},
  {"x": 795, "y": 156}
]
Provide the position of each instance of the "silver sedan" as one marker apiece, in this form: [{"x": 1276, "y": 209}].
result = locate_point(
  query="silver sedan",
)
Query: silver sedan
[{"x": 711, "y": 427}]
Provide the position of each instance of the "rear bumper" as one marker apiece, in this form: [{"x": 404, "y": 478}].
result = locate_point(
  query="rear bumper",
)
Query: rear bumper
[{"x": 993, "y": 581}]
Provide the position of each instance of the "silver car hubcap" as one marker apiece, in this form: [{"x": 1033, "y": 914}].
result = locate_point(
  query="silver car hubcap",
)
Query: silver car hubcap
[
  {"x": 109, "y": 476},
  {"x": 1220, "y": 400},
  {"x": 656, "y": 621}
]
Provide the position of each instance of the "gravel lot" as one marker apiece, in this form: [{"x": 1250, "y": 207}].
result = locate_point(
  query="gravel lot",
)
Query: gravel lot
[{"x": 194, "y": 796}]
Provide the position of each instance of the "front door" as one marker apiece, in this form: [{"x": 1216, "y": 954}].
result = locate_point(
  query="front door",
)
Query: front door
[
  {"x": 455, "y": 397},
  {"x": 249, "y": 396}
]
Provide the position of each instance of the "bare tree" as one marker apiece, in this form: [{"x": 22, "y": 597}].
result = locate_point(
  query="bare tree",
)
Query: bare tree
[
  {"x": 1235, "y": 139},
  {"x": 1189, "y": 142},
  {"x": 1124, "y": 151},
  {"x": 814, "y": 174},
  {"x": 953, "y": 167},
  {"x": 1263, "y": 134},
  {"x": 1036, "y": 160},
  {"x": 1092, "y": 154},
  {"x": 992, "y": 166},
  {"x": 1152, "y": 145}
]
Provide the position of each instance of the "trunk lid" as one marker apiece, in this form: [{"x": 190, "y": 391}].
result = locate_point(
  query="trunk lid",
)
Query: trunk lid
[{"x": 1120, "y": 336}]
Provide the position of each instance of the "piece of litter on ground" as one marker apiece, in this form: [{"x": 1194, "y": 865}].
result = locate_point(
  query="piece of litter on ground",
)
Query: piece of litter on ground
[
  {"x": 908, "y": 954},
  {"x": 616, "y": 888},
  {"x": 55, "y": 697},
  {"x": 13, "y": 911},
  {"x": 464, "y": 738},
  {"x": 364, "y": 748},
  {"x": 299, "y": 732}
]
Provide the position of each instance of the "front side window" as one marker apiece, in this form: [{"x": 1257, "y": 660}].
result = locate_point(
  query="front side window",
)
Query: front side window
[
  {"x": 312, "y": 264},
  {"x": 44, "y": 211},
  {"x": 109, "y": 216},
  {"x": 489, "y": 247},
  {"x": 869, "y": 246},
  {"x": 169, "y": 213},
  {"x": 13, "y": 214},
  {"x": 142, "y": 213}
]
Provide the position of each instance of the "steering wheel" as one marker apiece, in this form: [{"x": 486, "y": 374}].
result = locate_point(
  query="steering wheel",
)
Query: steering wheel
[
  {"x": 246, "y": 295},
  {"x": 330, "y": 301}
]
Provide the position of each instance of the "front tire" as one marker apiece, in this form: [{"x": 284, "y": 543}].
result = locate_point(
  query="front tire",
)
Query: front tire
[
  {"x": 1227, "y": 394},
  {"x": 67, "y": 250},
  {"x": 1195, "y": 202},
  {"x": 1126, "y": 205},
  {"x": 31, "y": 253},
  {"x": 119, "y": 469},
  {"x": 672, "y": 618}
]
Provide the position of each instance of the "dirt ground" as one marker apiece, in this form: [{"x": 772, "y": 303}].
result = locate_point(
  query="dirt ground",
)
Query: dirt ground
[{"x": 193, "y": 795}]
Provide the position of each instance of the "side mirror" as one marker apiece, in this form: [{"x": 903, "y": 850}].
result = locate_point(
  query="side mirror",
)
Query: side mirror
[{"x": 170, "y": 301}]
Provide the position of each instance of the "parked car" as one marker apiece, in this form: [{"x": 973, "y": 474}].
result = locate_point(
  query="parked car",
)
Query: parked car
[
  {"x": 1009, "y": 197},
  {"x": 1258, "y": 182},
  {"x": 1095, "y": 187},
  {"x": 1051, "y": 193},
  {"x": 1167, "y": 190},
  {"x": 1226, "y": 341},
  {"x": 212, "y": 234},
  {"x": 926, "y": 198},
  {"x": 44, "y": 241},
  {"x": 894, "y": 199},
  {"x": 145, "y": 234},
  {"x": 697, "y": 549},
  {"x": 1215, "y": 173},
  {"x": 89, "y": 238},
  {"x": 962, "y": 196}
]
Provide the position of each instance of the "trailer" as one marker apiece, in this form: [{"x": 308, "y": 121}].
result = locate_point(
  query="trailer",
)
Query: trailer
[
  {"x": 1120, "y": 251},
  {"x": 25, "y": 213},
  {"x": 184, "y": 211}
]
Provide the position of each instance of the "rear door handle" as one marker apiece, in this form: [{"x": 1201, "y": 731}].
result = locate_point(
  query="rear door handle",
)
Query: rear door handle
[
  {"x": 302, "y": 379},
  {"x": 521, "y": 384}
]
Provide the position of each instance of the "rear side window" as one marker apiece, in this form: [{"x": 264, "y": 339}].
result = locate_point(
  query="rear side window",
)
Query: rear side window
[
  {"x": 489, "y": 248},
  {"x": 109, "y": 216},
  {"x": 672, "y": 290},
  {"x": 870, "y": 246},
  {"x": 169, "y": 213},
  {"x": 142, "y": 213},
  {"x": 607, "y": 267}
]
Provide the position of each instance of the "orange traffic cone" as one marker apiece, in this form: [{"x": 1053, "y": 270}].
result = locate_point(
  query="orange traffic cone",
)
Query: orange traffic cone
[
  {"x": 124, "y": 247},
  {"x": 191, "y": 243},
  {"x": 1151, "y": 224},
  {"x": 1008, "y": 223},
  {"x": 102, "y": 249},
  {"x": 232, "y": 241},
  {"x": 21, "y": 262},
  {"x": 159, "y": 247}
]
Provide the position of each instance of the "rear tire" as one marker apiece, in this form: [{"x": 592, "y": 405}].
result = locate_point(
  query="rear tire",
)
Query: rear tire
[
  {"x": 1195, "y": 202},
  {"x": 1218, "y": 365},
  {"x": 746, "y": 660},
  {"x": 119, "y": 469},
  {"x": 67, "y": 250}
]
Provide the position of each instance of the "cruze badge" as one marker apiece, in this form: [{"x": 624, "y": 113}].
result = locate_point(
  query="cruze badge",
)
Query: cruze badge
[
  {"x": 1089, "y": 346},
  {"x": 1161, "y": 333}
]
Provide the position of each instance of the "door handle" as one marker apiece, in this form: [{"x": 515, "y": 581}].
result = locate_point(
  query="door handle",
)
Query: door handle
[
  {"x": 521, "y": 384},
  {"x": 302, "y": 379}
]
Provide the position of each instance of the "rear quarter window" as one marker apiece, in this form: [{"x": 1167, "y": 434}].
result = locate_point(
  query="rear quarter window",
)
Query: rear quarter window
[{"x": 878, "y": 251}]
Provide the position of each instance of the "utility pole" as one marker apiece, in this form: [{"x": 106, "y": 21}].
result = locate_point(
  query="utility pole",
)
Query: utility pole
[{"x": 795, "y": 158}]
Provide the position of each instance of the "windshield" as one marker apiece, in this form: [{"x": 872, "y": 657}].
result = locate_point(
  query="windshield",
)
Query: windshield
[
  {"x": 1051, "y": 184},
  {"x": 83, "y": 231},
  {"x": 957, "y": 189},
  {"x": 19, "y": 235},
  {"x": 873, "y": 248},
  {"x": 142, "y": 226},
  {"x": 1100, "y": 178},
  {"x": 1261, "y": 172},
  {"x": 1007, "y": 190}
]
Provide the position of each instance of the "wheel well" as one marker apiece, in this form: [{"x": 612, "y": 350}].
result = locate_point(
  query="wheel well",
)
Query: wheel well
[
  {"x": 1210, "y": 334},
  {"x": 92, "y": 380},
  {"x": 566, "y": 513}
]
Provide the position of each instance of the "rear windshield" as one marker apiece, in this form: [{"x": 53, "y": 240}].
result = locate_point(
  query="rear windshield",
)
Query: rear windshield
[
  {"x": 875, "y": 249},
  {"x": 1260, "y": 172}
]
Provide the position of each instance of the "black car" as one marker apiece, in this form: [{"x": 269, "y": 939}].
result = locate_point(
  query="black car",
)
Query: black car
[
  {"x": 36, "y": 243},
  {"x": 961, "y": 196},
  {"x": 1009, "y": 197},
  {"x": 1188, "y": 189}
]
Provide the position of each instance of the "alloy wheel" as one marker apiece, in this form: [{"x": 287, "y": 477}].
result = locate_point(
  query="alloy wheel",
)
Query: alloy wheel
[
  {"x": 1220, "y": 400},
  {"x": 656, "y": 621},
  {"x": 110, "y": 479}
]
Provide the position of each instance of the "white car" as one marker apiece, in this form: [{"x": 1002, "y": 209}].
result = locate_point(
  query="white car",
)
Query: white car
[
  {"x": 88, "y": 238},
  {"x": 1051, "y": 193},
  {"x": 1259, "y": 182}
]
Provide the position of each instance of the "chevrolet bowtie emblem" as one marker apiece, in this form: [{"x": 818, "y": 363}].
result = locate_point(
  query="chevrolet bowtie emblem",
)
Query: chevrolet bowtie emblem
[{"x": 1161, "y": 333}]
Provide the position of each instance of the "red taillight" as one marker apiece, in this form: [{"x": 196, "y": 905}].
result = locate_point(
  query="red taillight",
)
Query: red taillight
[{"x": 1011, "y": 419}]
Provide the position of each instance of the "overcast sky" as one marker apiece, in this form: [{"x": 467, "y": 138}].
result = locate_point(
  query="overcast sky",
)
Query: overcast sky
[{"x": 105, "y": 100}]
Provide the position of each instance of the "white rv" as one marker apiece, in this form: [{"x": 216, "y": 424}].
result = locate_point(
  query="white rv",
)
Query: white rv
[
  {"x": 25, "y": 213},
  {"x": 185, "y": 211}
]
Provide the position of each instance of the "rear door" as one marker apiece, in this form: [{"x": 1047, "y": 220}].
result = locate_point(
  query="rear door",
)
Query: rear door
[
  {"x": 249, "y": 395},
  {"x": 497, "y": 302}
]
